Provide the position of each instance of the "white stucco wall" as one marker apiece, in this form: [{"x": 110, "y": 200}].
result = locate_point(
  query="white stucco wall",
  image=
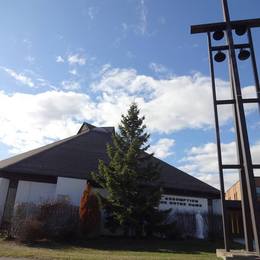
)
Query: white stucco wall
[
  {"x": 71, "y": 189},
  {"x": 183, "y": 204},
  {"x": 36, "y": 192},
  {"x": 4, "y": 184},
  {"x": 216, "y": 207}
]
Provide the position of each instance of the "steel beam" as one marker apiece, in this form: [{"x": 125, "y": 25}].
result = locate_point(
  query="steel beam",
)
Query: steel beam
[
  {"x": 247, "y": 223},
  {"x": 232, "y": 101},
  {"x": 226, "y": 47},
  {"x": 212, "y": 27}
]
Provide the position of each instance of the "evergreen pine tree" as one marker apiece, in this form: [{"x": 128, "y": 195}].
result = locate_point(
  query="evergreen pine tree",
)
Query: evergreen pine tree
[{"x": 130, "y": 178}]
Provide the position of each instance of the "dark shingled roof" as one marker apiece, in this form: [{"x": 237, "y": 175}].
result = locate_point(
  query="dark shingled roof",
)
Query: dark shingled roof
[{"x": 78, "y": 156}]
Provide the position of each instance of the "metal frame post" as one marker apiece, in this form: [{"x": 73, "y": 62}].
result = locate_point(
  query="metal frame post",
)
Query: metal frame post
[
  {"x": 245, "y": 166},
  {"x": 221, "y": 176},
  {"x": 247, "y": 224},
  {"x": 242, "y": 128}
]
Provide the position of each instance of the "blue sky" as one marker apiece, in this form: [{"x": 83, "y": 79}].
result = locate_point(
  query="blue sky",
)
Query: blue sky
[{"x": 65, "y": 62}]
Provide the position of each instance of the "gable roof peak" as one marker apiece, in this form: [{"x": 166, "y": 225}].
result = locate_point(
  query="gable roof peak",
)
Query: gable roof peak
[{"x": 85, "y": 128}]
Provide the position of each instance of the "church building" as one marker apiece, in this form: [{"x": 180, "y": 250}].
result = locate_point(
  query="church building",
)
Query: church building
[{"x": 60, "y": 170}]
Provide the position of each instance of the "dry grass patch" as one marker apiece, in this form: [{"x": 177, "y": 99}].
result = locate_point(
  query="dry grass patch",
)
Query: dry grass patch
[{"x": 111, "y": 249}]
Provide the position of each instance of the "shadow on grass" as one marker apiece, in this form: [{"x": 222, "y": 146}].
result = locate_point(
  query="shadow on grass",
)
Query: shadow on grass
[{"x": 137, "y": 245}]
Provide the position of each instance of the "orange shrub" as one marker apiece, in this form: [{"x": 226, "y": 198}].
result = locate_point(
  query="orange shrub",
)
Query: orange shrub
[{"x": 89, "y": 212}]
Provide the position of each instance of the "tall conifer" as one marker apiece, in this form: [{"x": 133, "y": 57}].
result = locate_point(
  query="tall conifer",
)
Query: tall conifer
[{"x": 130, "y": 178}]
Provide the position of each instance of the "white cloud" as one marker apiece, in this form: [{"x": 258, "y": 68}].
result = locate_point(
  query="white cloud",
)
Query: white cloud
[
  {"x": 29, "y": 78},
  {"x": 92, "y": 11},
  {"x": 139, "y": 26},
  {"x": 73, "y": 72},
  {"x": 202, "y": 162},
  {"x": 124, "y": 27},
  {"x": 59, "y": 59},
  {"x": 170, "y": 104},
  {"x": 173, "y": 104},
  {"x": 31, "y": 120},
  {"x": 45, "y": 83},
  {"x": 30, "y": 59},
  {"x": 163, "y": 148},
  {"x": 255, "y": 152},
  {"x": 162, "y": 20},
  {"x": 20, "y": 77},
  {"x": 157, "y": 68},
  {"x": 130, "y": 55},
  {"x": 27, "y": 42},
  {"x": 142, "y": 26},
  {"x": 72, "y": 59},
  {"x": 105, "y": 68},
  {"x": 70, "y": 85},
  {"x": 76, "y": 59}
]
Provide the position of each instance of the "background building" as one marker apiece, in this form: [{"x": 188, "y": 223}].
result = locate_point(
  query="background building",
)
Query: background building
[
  {"x": 235, "y": 220},
  {"x": 234, "y": 192}
]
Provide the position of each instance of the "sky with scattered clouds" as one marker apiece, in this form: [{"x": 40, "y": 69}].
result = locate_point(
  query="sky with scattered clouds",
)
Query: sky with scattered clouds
[{"x": 66, "y": 62}]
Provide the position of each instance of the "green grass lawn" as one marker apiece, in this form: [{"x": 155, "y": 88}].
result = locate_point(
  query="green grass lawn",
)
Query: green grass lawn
[{"x": 113, "y": 248}]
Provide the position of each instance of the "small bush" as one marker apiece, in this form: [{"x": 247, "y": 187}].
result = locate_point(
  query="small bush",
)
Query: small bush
[
  {"x": 51, "y": 220},
  {"x": 169, "y": 231},
  {"x": 24, "y": 214},
  {"x": 30, "y": 231},
  {"x": 60, "y": 220}
]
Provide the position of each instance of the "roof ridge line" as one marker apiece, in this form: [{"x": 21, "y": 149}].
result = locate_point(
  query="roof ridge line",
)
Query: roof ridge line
[
  {"x": 187, "y": 173},
  {"x": 41, "y": 149}
]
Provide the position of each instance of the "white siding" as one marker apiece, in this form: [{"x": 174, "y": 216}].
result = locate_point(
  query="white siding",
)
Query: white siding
[
  {"x": 183, "y": 204},
  {"x": 4, "y": 184},
  {"x": 70, "y": 188},
  {"x": 35, "y": 192}
]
